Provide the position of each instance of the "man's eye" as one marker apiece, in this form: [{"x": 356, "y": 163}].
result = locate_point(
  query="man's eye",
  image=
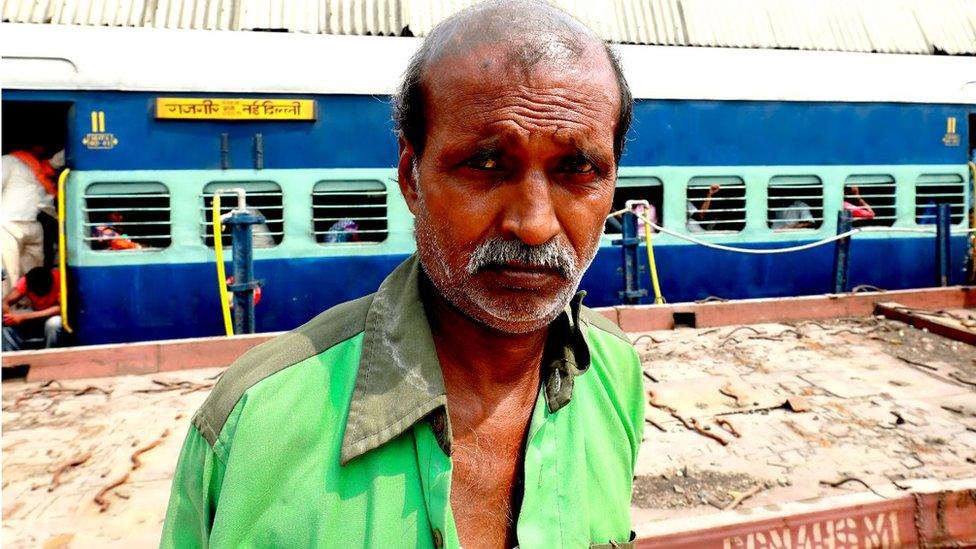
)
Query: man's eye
[
  {"x": 577, "y": 165},
  {"x": 486, "y": 162}
]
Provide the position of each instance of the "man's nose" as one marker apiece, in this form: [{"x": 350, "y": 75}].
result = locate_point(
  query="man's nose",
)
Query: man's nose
[{"x": 529, "y": 213}]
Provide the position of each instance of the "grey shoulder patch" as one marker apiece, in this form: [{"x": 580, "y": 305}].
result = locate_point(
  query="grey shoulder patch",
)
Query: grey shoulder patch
[
  {"x": 326, "y": 330},
  {"x": 597, "y": 320}
]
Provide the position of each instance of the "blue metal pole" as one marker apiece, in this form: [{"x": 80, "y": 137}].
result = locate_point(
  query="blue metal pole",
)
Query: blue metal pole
[
  {"x": 243, "y": 272},
  {"x": 943, "y": 218},
  {"x": 842, "y": 252},
  {"x": 629, "y": 243},
  {"x": 244, "y": 282}
]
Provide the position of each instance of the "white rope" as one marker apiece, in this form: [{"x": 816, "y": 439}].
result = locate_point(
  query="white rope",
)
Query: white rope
[
  {"x": 722, "y": 247},
  {"x": 927, "y": 230},
  {"x": 789, "y": 249}
]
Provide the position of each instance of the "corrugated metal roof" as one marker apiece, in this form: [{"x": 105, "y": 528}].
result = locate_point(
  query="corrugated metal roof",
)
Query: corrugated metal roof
[
  {"x": 887, "y": 26},
  {"x": 82, "y": 57}
]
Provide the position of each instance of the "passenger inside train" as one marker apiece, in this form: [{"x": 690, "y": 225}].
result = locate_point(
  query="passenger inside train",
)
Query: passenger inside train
[
  {"x": 859, "y": 207},
  {"x": 796, "y": 215},
  {"x": 343, "y": 230},
  {"x": 261, "y": 236},
  {"x": 650, "y": 190},
  {"x": 699, "y": 218},
  {"x": 40, "y": 325},
  {"x": 112, "y": 236}
]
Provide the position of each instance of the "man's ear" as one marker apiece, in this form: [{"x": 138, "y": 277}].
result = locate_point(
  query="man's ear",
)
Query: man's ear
[{"x": 405, "y": 174}]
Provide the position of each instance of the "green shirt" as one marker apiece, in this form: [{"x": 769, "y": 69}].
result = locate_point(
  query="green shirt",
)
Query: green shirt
[{"x": 336, "y": 435}]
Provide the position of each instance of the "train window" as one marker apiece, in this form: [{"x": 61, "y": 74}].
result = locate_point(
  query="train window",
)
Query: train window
[
  {"x": 795, "y": 202},
  {"x": 263, "y": 197},
  {"x": 716, "y": 204},
  {"x": 871, "y": 199},
  {"x": 126, "y": 216},
  {"x": 349, "y": 212},
  {"x": 637, "y": 188},
  {"x": 933, "y": 189}
]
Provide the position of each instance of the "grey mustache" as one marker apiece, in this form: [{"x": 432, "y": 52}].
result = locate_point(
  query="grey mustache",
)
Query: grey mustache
[{"x": 497, "y": 252}]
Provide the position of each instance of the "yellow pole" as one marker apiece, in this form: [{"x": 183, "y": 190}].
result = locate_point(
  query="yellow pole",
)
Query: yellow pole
[
  {"x": 63, "y": 252},
  {"x": 221, "y": 275},
  {"x": 658, "y": 298},
  {"x": 972, "y": 222}
]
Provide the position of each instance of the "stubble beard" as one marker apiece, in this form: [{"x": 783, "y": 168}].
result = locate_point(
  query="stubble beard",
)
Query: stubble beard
[{"x": 458, "y": 286}]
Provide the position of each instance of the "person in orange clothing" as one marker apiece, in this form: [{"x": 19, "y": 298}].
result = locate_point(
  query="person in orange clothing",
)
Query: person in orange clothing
[
  {"x": 42, "y": 288},
  {"x": 110, "y": 236},
  {"x": 855, "y": 203},
  {"x": 28, "y": 190}
]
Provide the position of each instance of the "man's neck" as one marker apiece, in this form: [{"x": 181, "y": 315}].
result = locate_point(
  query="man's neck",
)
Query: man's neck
[
  {"x": 479, "y": 359},
  {"x": 492, "y": 382}
]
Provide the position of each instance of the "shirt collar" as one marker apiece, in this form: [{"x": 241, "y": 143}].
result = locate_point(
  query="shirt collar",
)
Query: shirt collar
[{"x": 399, "y": 380}]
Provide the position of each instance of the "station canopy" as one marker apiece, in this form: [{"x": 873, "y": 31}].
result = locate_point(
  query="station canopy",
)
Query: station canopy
[{"x": 880, "y": 26}]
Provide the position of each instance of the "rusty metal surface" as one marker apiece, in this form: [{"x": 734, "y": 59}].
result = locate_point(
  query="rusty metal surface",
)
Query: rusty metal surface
[
  {"x": 941, "y": 519},
  {"x": 812, "y": 434},
  {"x": 710, "y": 398},
  {"x": 839, "y": 423},
  {"x": 958, "y": 327}
]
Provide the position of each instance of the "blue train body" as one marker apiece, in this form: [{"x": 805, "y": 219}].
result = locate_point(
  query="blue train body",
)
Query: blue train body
[
  {"x": 131, "y": 303},
  {"x": 356, "y": 132}
]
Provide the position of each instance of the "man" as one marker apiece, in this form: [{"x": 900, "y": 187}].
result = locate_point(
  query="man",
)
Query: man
[
  {"x": 795, "y": 216},
  {"x": 859, "y": 208},
  {"x": 472, "y": 400},
  {"x": 260, "y": 233},
  {"x": 42, "y": 288},
  {"x": 343, "y": 230},
  {"x": 28, "y": 188},
  {"x": 261, "y": 236},
  {"x": 697, "y": 217},
  {"x": 111, "y": 235}
]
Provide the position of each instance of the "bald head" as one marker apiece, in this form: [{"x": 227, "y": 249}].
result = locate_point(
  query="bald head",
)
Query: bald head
[{"x": 512, "y": 35}]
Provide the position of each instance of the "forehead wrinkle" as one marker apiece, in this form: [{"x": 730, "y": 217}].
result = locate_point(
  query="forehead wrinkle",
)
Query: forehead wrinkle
[
  {"x": 505, "y": 130},
  {"x": 541, "y": 99},
  {"x": 530, "y": 113}
]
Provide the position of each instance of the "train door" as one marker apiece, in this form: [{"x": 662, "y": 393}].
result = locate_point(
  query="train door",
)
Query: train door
[{"x": 32, "y": 132}]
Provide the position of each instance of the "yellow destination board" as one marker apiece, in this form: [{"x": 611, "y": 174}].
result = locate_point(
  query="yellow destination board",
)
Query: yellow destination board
[{"x": 194, "y": 108}]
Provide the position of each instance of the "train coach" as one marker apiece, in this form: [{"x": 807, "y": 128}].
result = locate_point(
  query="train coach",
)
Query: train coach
[{"x": 156, "y": 121}]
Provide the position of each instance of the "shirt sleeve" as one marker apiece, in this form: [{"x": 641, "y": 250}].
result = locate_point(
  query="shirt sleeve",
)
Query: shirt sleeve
[
  {"x": 193, "y": 498},
  {"x": 21, "y": 285},
  {"x": 638, "y": 400}
]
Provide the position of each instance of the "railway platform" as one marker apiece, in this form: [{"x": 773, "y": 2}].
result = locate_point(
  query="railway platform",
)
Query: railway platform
[{"x": 829, "y": 421}]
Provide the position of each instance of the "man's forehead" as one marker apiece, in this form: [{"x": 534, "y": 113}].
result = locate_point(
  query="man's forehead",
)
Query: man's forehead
[
  {"x": 485, "y": 80},
  {"x": 492, "y": 71}
]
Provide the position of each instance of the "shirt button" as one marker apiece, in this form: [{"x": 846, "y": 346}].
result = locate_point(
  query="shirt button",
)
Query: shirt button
[{"x": 438, "y": 538}]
